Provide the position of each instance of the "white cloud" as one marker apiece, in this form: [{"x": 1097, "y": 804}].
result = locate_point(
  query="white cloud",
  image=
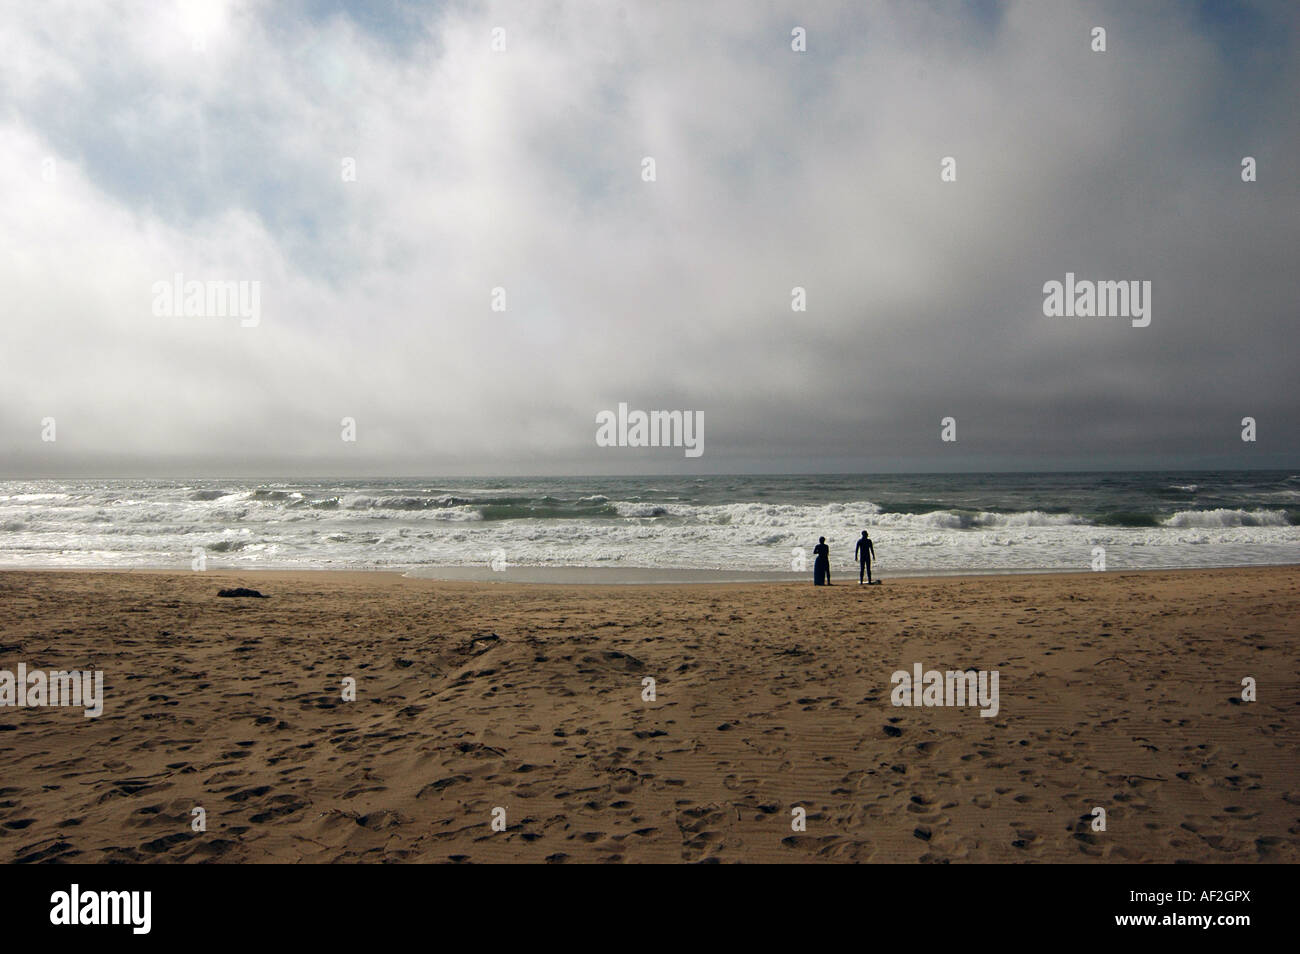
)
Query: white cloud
[{"x": 521, "y": 169}]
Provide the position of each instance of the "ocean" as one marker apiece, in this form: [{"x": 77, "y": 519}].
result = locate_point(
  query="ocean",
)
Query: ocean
[{"x": 659, "y": 528}]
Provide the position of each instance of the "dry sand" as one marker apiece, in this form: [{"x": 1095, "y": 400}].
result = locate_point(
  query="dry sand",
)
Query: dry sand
[{"x": 1119, "y": 690}]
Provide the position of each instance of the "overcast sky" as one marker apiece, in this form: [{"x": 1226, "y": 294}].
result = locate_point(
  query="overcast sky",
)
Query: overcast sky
[{"x": 523, "y": 169}]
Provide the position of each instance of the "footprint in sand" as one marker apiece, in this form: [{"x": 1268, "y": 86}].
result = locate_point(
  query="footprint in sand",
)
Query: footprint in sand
[{"x": 699, "y": 827}]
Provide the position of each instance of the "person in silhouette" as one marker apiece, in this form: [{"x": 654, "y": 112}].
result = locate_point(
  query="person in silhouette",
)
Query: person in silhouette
[
  {"x": 822, "y": 565},
  {"x": 863, "y": 553}
]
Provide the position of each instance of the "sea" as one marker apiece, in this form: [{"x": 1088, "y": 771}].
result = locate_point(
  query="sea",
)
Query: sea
[{"x": 659, "y": 529}]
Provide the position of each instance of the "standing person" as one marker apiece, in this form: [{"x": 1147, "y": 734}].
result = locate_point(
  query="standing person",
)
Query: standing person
[
  {"x": 863, "y": 553},
  {"x": 822, "y": 565}
]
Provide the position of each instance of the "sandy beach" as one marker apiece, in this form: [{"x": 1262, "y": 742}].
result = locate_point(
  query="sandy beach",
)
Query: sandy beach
[{"x": 1117, "y": 690}]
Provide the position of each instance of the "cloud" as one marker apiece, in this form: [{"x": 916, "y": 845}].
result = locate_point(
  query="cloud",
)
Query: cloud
[{"x": 521, "y": 169}]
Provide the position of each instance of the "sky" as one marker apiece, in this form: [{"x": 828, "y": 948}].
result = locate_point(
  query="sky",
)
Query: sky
[{"x": 379, "y": 170}]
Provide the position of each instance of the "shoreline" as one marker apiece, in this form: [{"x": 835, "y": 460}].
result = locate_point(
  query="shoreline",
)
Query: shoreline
[{"x": 569, "y": 576}]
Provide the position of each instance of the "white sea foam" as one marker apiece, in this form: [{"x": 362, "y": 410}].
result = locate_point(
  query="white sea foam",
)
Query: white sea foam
[
  {"x": 1227, "y": 518},
  {"x": 142, "y": 524}
]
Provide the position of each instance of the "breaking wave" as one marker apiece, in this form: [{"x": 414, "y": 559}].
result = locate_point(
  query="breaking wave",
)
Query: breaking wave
[{"x": 1213, "y": 519}]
